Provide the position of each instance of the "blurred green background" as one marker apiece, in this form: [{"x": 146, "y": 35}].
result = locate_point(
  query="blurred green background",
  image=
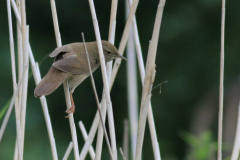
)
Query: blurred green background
[{"x": 188, "y": 57}]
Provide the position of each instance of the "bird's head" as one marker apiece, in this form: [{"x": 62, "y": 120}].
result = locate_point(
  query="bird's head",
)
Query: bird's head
[{"x": 110, "y": 51}]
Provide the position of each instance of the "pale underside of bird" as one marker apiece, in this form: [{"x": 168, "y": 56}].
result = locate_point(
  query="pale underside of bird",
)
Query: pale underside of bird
[{"x": 71, "y": 64}]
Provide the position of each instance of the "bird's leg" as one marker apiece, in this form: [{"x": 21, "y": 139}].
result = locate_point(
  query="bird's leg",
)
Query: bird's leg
[{"x": 72, "y": 108}]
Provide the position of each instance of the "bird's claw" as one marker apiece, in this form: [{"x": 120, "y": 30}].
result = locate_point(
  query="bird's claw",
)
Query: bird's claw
[{"x": 70, "y": 110}]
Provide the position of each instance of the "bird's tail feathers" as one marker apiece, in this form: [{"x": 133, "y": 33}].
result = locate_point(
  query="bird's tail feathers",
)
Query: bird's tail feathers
[{"x": 52, "y": 80}]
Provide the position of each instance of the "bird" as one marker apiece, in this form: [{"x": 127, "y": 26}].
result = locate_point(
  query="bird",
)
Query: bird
[{"x": 71, "y": 64}]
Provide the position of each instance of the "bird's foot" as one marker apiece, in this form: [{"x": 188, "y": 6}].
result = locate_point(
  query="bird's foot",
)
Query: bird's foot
[{"x": 70, "y": 110}]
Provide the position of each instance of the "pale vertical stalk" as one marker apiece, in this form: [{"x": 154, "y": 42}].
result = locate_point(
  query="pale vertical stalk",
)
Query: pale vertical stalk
[
  {"x": 142, "y": 122},
  {"x": 11, "y": 45},
  {"x": 19, "y": 41},
  {"x": 91, "y": 134},
  {"x": 25, "y": 78},
  {"x": 125, "y": 138},
  {"x": 153, "y": 133},
  {"x": 132, "y": 88},
  {"x": 123, "y": 42},
  {"x": 236, "y": 146},
  {"x": 155, "y": 144},
  {"x": 55, "y": 23},
  {"x": 65, "y": 84},
  {"x": 100, "y": 131},
  {"x": 6, "y": 118},
  {"x": 85, "y": 136},
  {"x": 138, "y": 47},
  {"x": 18, "y": 148},
  {"x": 112, "y": 25},
  {"x": 112, "y": 129},
  {"x": 220, "y": 118},
  {"x": 16, "y": 8},
  {"x": 37, "y": 78},
  {"x": 111, "y": 37},
  {"x": 149, "y": 78},
  {"x": 105, "y": 80},
  {"x": 25, "y": 82},
  {"x": 68, "y": 151},
  {"x": 96, "y": 98},
  {"x": 121, "y": 48},
  {"x": 23, "y": 23},
  {"x": 71, "y": 122}
]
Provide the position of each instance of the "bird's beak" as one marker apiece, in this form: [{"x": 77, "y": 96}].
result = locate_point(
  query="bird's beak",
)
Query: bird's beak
[{"x": 120, "y": 56}]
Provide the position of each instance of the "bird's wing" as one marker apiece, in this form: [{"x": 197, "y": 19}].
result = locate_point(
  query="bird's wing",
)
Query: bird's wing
[
  {"x": 71, "y": 64},
  {"x": 58, "y": 50}
]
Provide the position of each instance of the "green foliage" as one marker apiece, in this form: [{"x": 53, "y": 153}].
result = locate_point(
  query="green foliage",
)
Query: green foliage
[
  {"x": 203, "y": 147},
  {"x": 4, "y": 110}
]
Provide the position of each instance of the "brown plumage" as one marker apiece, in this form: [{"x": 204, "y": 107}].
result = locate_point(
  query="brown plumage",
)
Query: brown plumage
[{"x": 71, "y": 64}]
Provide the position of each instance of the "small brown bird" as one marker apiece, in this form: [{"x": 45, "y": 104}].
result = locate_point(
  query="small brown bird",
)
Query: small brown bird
[{"x": 71, "y": 64}]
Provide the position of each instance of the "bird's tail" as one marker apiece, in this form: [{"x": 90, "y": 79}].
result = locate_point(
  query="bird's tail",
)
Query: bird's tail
[{"x": 52, "y": 80}]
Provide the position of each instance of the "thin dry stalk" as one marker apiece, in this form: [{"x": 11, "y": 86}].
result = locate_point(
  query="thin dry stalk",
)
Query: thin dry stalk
[
  {"x": 143, "y": 116},
  {"x": 55, "y": 23},
  {"x": 68, "y": 151},
  {"x": 96, "y": 97},
  {"x": 123, "y": 42},
  {"x": 236, "y": 146},
  {"x": 149, "y": 78},
  {"x": 18, "y": 125},
  {"x": 124, "y": 158},
  {"x": 85, "y": 136},
  {"x": 91, "y": 134},
  {"x": 111, "y": 126},
  {"x": 11, "y": 44},
  {"x": 155, "y": 144},
  {"x": 138, "y": 47},
  {"x": 6, "y": 118},
  {"x": 96, "y": 119},
  {"x": 132, "y": 87},
  {"x": 65, "y": 84},
  {"x": 141, "y": 126},
  {"x": 16, "y": 11},
  {"x": 112, "y": 25},
  {"x": 100, "y": 130},
  {"x": 25, "y": 80},
  {"x": 153, "y": 133},
  {"x": 17, "y": 113},
  {"x": 220, "y": 118},
  {"x": 105, "y": 80},
  {"x": 20, "y": 49},
  {"x": 37, "y": 78},
  {"x": 25, "y": 84},
  {"x": 20, "y": 62},
  {"x": 111, "y": 37},
  {"x": 125, "y": 138}
]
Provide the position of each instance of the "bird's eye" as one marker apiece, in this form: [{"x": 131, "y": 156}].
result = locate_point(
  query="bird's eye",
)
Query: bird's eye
[{"x": 108, "y": 52}]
